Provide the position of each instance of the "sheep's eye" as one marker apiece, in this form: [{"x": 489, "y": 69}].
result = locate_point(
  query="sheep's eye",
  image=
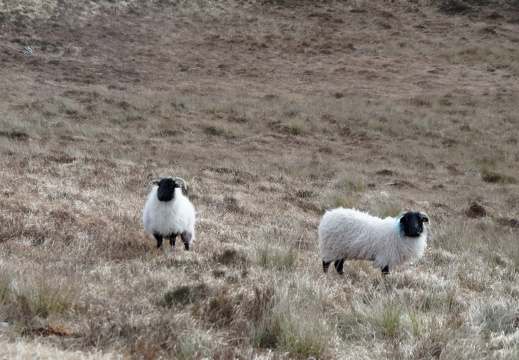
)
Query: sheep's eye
[{"x": 425, "y": 219}]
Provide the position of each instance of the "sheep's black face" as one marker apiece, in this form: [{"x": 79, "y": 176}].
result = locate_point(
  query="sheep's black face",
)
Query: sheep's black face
[
  {"x": 166, "y": 190},
  {"x": 412, "y": 223}
]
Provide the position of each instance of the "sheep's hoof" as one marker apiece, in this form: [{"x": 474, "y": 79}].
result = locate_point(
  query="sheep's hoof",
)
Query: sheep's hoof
[
  {"x": 326, "y": 265},
  {"x": 385, "y": 270},
  {"x": 341, "y": 273},
  {"x": 159, "y": 239},
  {"x": 173, "y": 239},
  {"x": 339, "y": 266}
]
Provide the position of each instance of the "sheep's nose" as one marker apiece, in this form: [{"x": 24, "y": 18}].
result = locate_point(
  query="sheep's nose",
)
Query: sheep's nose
[
  {"x": 417, "y": 230},
  {"x": 414, "y": 231}
]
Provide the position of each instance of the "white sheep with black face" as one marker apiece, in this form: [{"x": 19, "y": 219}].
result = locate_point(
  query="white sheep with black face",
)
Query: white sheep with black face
[
  {"x": 347, "y": 234},
  {"x": 168, "y": 213}
]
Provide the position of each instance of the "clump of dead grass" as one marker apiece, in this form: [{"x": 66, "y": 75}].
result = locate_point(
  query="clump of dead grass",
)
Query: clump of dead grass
[{"x": 279, "y": 324}]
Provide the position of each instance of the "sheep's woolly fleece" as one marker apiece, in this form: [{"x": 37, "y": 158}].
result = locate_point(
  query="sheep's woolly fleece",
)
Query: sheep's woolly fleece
[
  {"x": 352, "y": 234},
  {"x": 168, "y": 217}
]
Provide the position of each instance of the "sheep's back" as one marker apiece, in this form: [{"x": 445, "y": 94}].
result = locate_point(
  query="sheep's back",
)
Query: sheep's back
[{"x": 350, "y": 234}]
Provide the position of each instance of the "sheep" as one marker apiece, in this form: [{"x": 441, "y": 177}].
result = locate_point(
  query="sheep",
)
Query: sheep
[
  {"x": 346, "y": 234},
  {"x": 168, "y": 213}
]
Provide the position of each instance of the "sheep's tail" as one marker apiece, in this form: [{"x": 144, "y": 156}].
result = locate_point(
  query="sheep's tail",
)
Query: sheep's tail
[{"x": 184, "y": 181}]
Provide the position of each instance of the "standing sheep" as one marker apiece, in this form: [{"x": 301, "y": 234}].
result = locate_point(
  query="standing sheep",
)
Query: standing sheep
[
  {"x": 346, "y": 234},
  {"x": 168, "y": 213}
]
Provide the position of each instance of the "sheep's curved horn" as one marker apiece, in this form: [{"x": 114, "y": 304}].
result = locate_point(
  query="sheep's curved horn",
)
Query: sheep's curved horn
[{"x": 184, "y": 181}]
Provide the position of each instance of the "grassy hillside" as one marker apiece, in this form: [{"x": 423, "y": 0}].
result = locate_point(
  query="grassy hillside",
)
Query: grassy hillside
[{"x": 274, "y": 112}]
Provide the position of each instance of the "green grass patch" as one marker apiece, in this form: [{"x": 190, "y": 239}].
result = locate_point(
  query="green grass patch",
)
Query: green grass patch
[
  {"x": 15, "y": 135},
  {"x": 22, "y": 305},
  {"x": 493, "y": 177},
  {"x": 179, "y": 296},
  {"x": 184, "y": 295}
]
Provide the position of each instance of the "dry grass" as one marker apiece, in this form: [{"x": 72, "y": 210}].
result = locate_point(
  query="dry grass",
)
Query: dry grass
[{"x": 273, "y": 111}]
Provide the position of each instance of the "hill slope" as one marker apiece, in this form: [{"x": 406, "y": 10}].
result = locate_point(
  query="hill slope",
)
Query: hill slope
[{"x": 274, "y": 111}]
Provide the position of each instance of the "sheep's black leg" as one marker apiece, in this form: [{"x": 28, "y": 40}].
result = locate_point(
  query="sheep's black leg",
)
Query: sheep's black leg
[
  {"x": 326, "y": 265},
  {"x": 159, "y": 239},
  {"x": 172, "y": 239},
  {"x": 186, "y": 238},
  {"x": 339, "y": 266},
  {"x": 385, "y": 270}
]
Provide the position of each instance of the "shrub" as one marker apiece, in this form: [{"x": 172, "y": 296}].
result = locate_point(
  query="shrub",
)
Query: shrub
[
  {"x": 220, "y": 311},
  {"x": 452, "y": 7},
  {"x": 493, "y": 177}
]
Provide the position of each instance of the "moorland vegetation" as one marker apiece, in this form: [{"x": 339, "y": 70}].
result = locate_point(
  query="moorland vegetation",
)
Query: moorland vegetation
[{"x": 274, "y": 112}]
